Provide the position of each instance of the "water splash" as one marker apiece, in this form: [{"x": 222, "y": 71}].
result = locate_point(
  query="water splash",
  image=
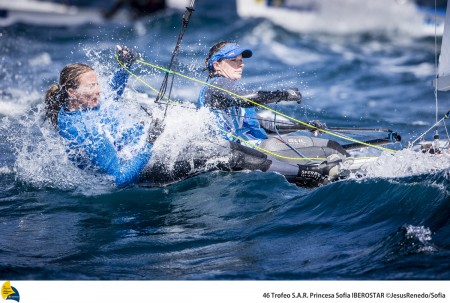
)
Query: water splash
[
  {"x": 420, "y": 237},
  {"x": 406, "y": 163},
  {"x": 16, "y": 101},
  {"x": 41, "y": 159},
  {"x": 188, "y": 135}
]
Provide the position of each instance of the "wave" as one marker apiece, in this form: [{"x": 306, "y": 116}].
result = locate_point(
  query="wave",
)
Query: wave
[{"x": 372, "y": 228}]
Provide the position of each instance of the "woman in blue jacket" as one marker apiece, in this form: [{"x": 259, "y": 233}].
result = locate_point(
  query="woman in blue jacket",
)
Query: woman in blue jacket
[
  {"x": 93, "y": 134},
  {"x": 236, "y": 117}
]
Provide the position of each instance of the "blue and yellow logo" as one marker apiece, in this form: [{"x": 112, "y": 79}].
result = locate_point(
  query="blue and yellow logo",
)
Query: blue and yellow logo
[{"x": 9, "y": 292}]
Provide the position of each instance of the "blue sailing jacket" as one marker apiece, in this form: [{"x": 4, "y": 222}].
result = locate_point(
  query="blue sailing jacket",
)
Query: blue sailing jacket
[
  {"x": 235, "y": 117},
  {"x": 94, "y": 138}
]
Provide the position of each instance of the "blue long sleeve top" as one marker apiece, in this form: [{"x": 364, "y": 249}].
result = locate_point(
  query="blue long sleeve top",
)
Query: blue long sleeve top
[
  {"x": 233, "y": 115},
  {"x": 95, "y": 138}
]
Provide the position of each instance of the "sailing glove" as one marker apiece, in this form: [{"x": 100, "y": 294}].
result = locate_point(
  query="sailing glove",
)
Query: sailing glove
[
  {"x": 292, "y": 94},
  {"x": 126, "y": 56},
  {"x": 317, "y": 124}
]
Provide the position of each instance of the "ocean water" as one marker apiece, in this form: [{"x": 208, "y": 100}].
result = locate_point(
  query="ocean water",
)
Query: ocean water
[{"x": 58, "y": 222}]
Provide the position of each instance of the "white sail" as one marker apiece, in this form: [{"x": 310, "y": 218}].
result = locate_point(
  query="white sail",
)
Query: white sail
[{"x": 442, "y": 83}]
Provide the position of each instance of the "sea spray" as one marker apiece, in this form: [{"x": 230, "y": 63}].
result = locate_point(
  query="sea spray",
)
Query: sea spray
[
  {"x": 406, "y": 163},
  {"x": 420, "y": 237},
  {"x": 189, "y": 135},
  {"x": 41, "y": 158}
]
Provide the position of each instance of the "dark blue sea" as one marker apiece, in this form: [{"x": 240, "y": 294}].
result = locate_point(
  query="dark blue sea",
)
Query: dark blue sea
[{"x": 58, "y": 222}]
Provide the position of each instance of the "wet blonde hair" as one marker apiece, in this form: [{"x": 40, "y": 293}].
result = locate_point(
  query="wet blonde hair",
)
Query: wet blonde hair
[{"x": 57, "y": 95}]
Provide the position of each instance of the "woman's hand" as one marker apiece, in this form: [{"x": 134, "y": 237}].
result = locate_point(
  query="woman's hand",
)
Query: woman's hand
[
  {"x": 126, "y": 56},
  {"x": 318, "y": 126}
]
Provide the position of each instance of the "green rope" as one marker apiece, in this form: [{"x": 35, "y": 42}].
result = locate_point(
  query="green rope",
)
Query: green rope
[{"x": 156, "y": 67}]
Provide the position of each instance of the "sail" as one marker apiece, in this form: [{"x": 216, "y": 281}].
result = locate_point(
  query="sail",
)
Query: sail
[{"x": 442, "y": 83}]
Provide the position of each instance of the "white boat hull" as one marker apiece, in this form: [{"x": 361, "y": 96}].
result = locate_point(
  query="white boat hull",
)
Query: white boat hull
[
  {"x": 45, "y": 13},
  {"x": 343, "y": 16},
  {"x": 48, "y": 13}
]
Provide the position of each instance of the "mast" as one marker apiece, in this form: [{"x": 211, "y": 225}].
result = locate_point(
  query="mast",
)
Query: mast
[{"x": 185, "y": 21}]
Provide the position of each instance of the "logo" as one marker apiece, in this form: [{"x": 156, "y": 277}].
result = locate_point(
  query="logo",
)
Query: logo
[{"x": 9, "y": 292}]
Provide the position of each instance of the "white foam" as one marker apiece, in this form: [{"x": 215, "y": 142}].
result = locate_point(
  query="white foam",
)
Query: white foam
[
  {"x": 423, "y": 235},
  {"x": 5, "y": 170},
  {"x": 15, "y": 102},
  {"x": 44, "y": 163},
  {"x": 187, "y": 136},
  {"x": 406, "y": 163},
  {"x": 41, "y": 158}
]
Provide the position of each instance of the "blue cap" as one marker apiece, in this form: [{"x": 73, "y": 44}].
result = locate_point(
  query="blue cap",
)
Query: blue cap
[{"x": 230, "y": 50}]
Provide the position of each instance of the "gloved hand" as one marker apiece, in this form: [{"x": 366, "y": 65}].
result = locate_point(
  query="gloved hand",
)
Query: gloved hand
[
  {"x": 292, "y": 94},
  {"x": 126, "y": 55},
  {"x": 317, "y": 124},
  {"x": 155, "y": 130}
]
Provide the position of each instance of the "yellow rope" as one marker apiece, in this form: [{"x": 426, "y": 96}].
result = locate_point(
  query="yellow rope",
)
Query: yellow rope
[{"x": 247, "y": 100}]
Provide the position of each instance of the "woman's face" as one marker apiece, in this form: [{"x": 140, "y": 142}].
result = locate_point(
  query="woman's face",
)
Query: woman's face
[
  {"x": 87, "y": 93},
  {"x": 230, "y": 68}
]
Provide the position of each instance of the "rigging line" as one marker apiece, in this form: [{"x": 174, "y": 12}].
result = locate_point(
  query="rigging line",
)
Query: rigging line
[
  {"x": 248, "y": 100},
  {"x": 446, "y": 116},
  {"x": 236, "y": 137},
  {"x": 351, "y": 130},
  {"x": 228, "y": 133},
  {"x": 145, "y": 83},
  {"x": 446, "y": 131},
  {"x": 267, "y": 108}
]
